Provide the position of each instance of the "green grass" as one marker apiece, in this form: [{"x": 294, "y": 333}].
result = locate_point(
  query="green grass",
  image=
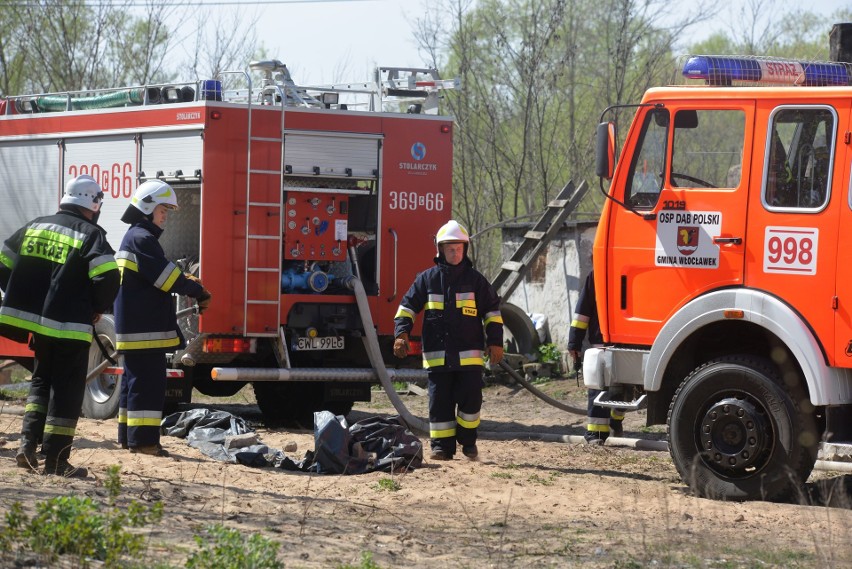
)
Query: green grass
[
  {"x": 366, "y": 563},
  {"x": 388, "y": 484}
]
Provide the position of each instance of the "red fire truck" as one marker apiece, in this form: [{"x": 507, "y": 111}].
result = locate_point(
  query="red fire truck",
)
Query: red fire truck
[
  {"x": 289, "y": 197},
  {"x": 723, "y": 293}
]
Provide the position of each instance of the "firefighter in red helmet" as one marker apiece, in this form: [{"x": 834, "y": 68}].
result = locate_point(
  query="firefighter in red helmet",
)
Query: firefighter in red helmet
[{"x": 461, "y": 324}]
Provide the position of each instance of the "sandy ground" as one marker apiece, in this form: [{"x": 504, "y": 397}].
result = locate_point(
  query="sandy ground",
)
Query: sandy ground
[{"x": 524, "y": 503}]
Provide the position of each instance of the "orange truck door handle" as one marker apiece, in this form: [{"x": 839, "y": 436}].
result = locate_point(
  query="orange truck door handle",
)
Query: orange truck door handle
[{"x": 723, "y": 240}]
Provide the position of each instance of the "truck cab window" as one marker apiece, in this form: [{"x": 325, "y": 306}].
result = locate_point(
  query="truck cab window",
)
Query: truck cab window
[
  {"x": 646, "y": 173},
  {"x": 707, "y": 148},
  {"x": 798, "y": 159}
]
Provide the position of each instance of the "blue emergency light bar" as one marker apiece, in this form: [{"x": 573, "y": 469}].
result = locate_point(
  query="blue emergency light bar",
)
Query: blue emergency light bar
[{"x": 723, "y": 70}]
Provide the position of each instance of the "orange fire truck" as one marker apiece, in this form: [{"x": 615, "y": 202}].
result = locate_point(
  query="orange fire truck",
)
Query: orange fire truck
[
  {"x": 723, "y": 291},
  {"x": 305, "y": 211}
]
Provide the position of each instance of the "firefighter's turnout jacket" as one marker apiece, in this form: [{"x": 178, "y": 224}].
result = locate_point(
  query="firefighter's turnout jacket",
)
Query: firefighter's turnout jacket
[
  {"x": 144, "y": 314},
  {"x": 457, "y": 302},
  {"x": 57, "y": 272}
]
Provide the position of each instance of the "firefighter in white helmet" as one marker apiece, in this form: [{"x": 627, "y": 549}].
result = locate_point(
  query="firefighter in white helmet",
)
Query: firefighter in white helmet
[
  {"x": 461, "y": 324},
  {"x": 145, "y": 322},
  {"x": 59, "y": 275}
]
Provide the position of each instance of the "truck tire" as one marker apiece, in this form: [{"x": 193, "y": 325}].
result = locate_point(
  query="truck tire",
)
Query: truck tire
[
  {"x": 736, "y": 432},
  {"x": 100, "y": 400},
  {"x": 520, "y": 335}
]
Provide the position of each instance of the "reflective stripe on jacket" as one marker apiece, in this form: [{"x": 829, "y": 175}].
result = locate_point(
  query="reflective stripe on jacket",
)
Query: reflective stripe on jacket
[{"x": 461, "y": 315}]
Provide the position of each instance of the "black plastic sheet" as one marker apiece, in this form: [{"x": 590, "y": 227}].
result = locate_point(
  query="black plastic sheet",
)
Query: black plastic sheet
[{"x": 375, "y": 443}]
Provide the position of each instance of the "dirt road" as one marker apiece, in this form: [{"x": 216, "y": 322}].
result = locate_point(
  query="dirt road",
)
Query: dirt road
[{"x": 523, "y": 504}]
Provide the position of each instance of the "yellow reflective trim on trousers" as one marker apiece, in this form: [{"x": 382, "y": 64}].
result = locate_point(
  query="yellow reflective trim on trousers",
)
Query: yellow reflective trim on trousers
[
  {"x": 122, "y": 416},
  {"x": 467, "y": 424},
  {"x": 144, "y": 422},
  {"x": 616, "y": 415},
  {"x": 35, "y": 408},
  {"x": 597, "y": 428},
  {"x": 442, "y": 433},
  {"x": 57, "y": 430},
  {"x": 472, "y": 361},
  {"x": 44, "y": 330}
]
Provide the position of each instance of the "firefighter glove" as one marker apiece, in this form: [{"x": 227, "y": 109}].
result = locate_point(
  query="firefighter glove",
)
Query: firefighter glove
[
  {"x": 400, "y": 346},
  {"x": 203, "y": 300},
  {"x": 495, "y": 354}
]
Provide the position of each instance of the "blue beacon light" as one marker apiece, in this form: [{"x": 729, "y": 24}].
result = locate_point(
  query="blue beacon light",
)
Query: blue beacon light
[{"x": 722, "y": 70}]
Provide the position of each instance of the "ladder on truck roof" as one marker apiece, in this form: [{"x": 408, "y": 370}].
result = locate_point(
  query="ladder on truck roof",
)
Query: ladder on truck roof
[
  {"x": 262, "y": 302},
  {"x": 535, "y": 240}
]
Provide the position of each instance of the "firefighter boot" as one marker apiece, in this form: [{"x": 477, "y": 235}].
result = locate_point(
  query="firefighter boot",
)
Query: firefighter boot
[
  {"x": 470, "y": 451},
  {"x": 63, "y": 468},
  {"x": 151, "y": 450},
  {"x": 438, "y": 454},
  {"x": 26, "y": 457},
  {"x": 595, "y": 438},
  {"x": 616, "y": 428}
]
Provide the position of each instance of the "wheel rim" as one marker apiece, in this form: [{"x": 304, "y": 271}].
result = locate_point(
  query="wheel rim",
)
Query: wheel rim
[
  {"x": 736, "y": 435},
  {"x": 102, "y": 387}
]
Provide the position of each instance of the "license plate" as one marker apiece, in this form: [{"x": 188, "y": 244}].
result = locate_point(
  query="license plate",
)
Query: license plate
[{"x": 320, "y": 343}]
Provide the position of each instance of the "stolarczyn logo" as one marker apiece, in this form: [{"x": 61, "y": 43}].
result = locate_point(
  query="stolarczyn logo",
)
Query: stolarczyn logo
[
  {"x": 418, "y": 151},
  {"x": 418, "y": 167}
]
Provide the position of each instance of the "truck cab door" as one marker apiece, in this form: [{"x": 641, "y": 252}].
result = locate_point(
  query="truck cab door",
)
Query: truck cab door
[
  {"x": 681, "y": 232},
  {"x": 793, "y": 220},
  {"x": 840, "y": 172}
]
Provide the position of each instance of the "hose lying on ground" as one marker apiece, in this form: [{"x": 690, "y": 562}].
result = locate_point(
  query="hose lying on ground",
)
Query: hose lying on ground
[{"x": 544, "y": 397}]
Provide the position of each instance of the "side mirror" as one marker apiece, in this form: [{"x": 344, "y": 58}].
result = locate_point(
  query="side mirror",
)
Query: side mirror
[{"x": 605, "y": 150}]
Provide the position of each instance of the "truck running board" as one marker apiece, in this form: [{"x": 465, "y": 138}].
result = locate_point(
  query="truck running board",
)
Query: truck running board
[{"x": 603, "y": 400}]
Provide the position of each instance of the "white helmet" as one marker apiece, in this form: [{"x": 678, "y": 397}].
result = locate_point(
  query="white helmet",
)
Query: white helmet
[
  {"x": 452, "y": 232},
  {"x": 83, "y": 191},
  {"x": 152, "y": 193}
]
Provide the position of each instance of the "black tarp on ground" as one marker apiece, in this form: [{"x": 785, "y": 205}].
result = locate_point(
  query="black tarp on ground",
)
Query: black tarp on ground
[{"x": 375, "y": 443}]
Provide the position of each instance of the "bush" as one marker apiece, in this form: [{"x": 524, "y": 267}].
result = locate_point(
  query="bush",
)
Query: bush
[
  {"x": 230, "y": 550},
  {"x": 81, "y": 527},
  {"x": 550, "y": 353}
]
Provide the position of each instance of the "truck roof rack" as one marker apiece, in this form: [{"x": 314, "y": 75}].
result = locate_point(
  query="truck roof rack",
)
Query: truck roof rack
[{"x": 393, "y": 89}]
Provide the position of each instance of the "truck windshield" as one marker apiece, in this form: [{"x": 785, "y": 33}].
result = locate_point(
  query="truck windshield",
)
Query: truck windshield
[{"x": 707, "y": 148}]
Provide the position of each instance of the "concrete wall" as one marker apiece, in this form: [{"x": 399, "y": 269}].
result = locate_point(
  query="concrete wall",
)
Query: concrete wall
[{"x": 552, "y": 285}]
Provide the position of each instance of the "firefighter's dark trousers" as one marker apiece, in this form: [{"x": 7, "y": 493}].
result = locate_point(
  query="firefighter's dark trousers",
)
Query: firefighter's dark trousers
[
  {"x": 56, "y": 396},
  {"x": 143, "y": 394},
  {"x": 455, "y": 400},
  {"x": 601, "y": 419}
]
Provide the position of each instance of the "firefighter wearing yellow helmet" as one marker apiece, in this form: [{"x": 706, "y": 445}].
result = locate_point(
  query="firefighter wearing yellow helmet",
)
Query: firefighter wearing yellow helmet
[
  {"x": 145, "y": 322},
  {"x": 461, "y": 324}
]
